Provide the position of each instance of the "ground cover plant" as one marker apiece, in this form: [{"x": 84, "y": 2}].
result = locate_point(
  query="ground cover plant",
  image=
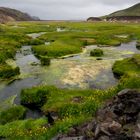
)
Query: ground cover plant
[
  {"x": 72, "y": 107},
  {"x": 97, "y": 52}
]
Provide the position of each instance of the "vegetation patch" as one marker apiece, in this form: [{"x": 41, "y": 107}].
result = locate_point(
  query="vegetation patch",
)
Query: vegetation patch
[
  {"x": 138, "y": 45},
  {"x": 126, "y": 66},
  {"x": 36, "y": 42},
  {"x": 7, "y": 71},
  {"x": 63, "y": 102},
  {"x": 56, "y": 49},
  {"x": 45, "y": 60},
  {"x": 12, "y": 114},
  {"x": 24, "y": 129},
  {"x": 97, "y": 52},
  {"x": 35, "y": 97}
]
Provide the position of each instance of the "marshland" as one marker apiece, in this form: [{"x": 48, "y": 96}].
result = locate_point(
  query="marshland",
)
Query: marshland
[{"x": 68, "y": 69}]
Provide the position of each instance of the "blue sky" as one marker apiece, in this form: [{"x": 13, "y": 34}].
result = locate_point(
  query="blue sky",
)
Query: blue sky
[{"x": 68, "y": 9}]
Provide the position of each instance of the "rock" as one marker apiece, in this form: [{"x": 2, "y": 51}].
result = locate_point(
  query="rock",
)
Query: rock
[
  {"x": 77, "y": 99},
  {"x": 138, "y": 45},
  {"x": 73, "y": 138},
  {"x": 97, "y": 130},
  {"x": 137, "y": 129},
  {"x": 99, "y": 58},
  {"x": 104, "y": 138},
  {"x": 72, "y": 132},
  {"x": 104, "y": 128},
  {"x": 92, "y": 125},
  {"x": 123, "y": 92},
  {"x": 105, "y": 115},
  {"x": 115, "y": 127},
  {"x": 119, "y": 119},
  {"x": 34, "y": 64},
  {"x": 50, "y": 118}
]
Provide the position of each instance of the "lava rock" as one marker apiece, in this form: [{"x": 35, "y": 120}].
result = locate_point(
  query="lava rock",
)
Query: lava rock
[{"x": 119, "y": 119}]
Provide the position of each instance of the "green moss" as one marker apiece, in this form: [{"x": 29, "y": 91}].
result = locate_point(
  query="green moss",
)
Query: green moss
[
  {"x": 126, "y": 66},
  {"x": 12, "y": 114},
  {"x": 138, "y": 45},
  {"x": 34, "y": 97},
  {"x": 24, "y": 129},
  {"x": 131, "y": 81},
  {"x": 7, "y": 71},
  {"x": 8, "y": 103},
  {"x": 36, "y": 42},
  {"x": 45, "y": 60},
  {"x": 129, "y": 71},
  {"x": 97, "y": 52},
  {"x": 56, "y": 49}
]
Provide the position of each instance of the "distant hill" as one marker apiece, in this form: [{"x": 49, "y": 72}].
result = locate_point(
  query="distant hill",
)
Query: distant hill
[
  {"x": 94, "y": 19},
  {"x": 131, "y": 11},
  {"x": 129, "y": 14},
  {"x": 8, "y": 14}
]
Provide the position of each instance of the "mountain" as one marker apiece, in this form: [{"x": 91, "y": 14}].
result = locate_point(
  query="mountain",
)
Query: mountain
[
  {"x": 94, "y": 19},
  {"x": 129, "y": 14},
  {"x": 131, "y": 11},
  {"x": 8, "y": 14}
]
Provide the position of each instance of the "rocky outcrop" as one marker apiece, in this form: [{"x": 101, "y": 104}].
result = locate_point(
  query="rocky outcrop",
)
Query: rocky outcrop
[
  {"x": 131, "y": 14},
  {"x": 118, "y": 120},
  {"x": 124, "y": 18},
  {"x": 94, "y": 19}
]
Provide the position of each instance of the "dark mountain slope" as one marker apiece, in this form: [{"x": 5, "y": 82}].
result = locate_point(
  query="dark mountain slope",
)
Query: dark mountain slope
[
  {"x": 131, "y": 11},
  {"x": 8, "y": 14},
  {"x": 129, "y": 14}
]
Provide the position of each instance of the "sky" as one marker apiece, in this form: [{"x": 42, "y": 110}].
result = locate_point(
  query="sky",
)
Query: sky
[{"x": 68, "y": 9}]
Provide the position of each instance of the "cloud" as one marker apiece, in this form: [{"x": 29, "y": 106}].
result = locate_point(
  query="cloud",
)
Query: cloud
[{"x": 67, "y": 9}]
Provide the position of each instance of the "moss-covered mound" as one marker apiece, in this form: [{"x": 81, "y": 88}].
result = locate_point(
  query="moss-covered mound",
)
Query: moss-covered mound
[
  {"x": 127, "y": 66},
  {"x": 35, "y": 97},
  {"x": 45, "y": 60},
  {"x": 138, "y": 45},
  {"x": 7, "y": 71},
  {"x": 12, "y": 114},
  {"x": 97, "y": 53}
]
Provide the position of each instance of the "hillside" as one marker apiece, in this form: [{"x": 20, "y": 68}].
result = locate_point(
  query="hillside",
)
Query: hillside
[
  {"x": 8, "y": 14},
  {"x": 131, "y": 11},
  {"x": 129, "y": 14}
]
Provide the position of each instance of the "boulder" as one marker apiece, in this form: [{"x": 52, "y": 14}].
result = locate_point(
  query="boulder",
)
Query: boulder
[{"x": 119, "y": 119}]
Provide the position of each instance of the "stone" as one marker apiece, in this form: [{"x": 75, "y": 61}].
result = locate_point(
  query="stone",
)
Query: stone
[
  {"x": 103, "y": 138},
  {"x": 105, "y": 115},
  {"x": 137, "y": 135},
  {"x": 104, "y": 128},
  {"x": 92, "y": 126},
  {"x": 73, "y": 138},
  {"x": 34, "y": 63},
  {"x": 72, "y": 132},
  {"x": 115, "y": 127},
  {"x": 99, "y": 58},
  {"x": 119, "y": 119},
  {"x": 77, "y": 99},
  {"x": 97, "y": 130}
]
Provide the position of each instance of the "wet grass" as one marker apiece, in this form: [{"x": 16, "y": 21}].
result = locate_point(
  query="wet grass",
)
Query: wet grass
[
  {"x": 57, "y": 49},
  {"x": 12, "y": 114},
  {"x": 73, "y": 107},
  {"x": 126, "y": 66},
  {"x": 128, "y": 70},
  {"x": 70, "y": 41}
]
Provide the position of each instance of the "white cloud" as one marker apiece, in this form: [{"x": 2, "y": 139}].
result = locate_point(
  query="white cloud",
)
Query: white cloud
[{"x": 68, "y": 9}]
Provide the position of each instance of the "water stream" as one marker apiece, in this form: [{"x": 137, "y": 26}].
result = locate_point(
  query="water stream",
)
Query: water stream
[{"x": 78, "y": 71}]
